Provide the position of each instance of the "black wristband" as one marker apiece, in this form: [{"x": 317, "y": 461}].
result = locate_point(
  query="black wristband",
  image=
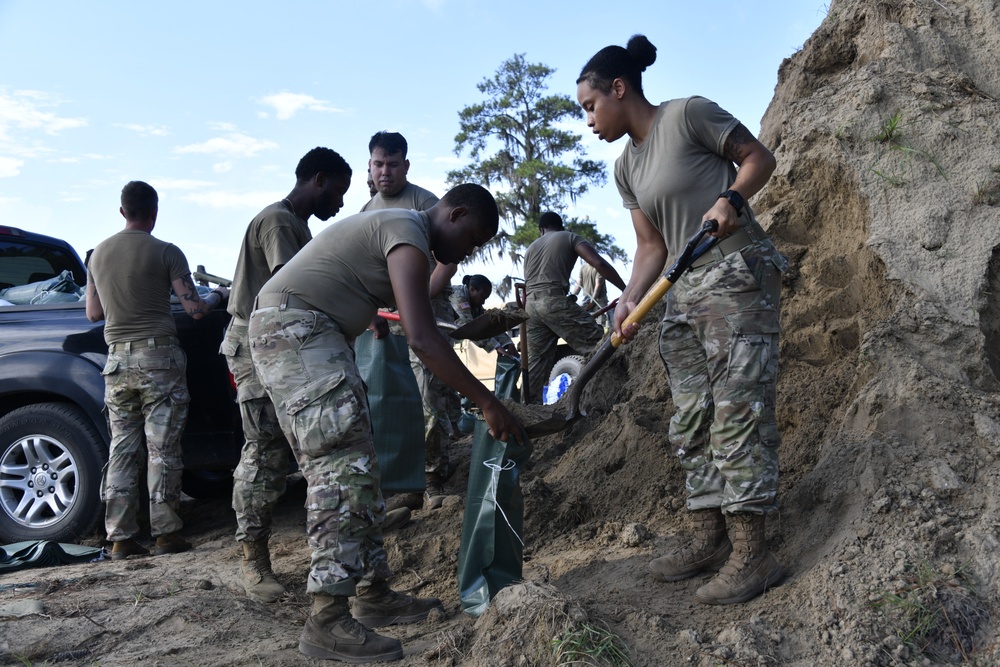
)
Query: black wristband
[{"x": 735, "y": 200}]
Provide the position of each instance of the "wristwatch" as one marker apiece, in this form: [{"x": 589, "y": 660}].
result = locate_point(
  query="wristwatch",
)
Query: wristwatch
[{"x": 735, "y": 200}]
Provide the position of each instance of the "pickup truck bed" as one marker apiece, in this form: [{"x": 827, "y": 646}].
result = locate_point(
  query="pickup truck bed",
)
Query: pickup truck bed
[{"x": 53, "y": 432}]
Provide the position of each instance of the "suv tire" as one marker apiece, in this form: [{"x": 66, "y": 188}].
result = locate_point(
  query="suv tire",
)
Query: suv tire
[{"x": 51, "y": 457}]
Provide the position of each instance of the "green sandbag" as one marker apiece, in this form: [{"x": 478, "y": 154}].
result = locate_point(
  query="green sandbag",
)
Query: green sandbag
[
  {"x": 397, "y": 411},
  {"x": 508, "y": 373},
  {"x": 43, "y": 553},
  {"x": 492, "y": 549}
]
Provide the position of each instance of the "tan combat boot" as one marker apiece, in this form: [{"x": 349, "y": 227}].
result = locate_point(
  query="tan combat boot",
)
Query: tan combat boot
[
  {"x": 379, "y": 605},
  {"x": 331, "y": 633},
  {"x": 396, "y": 518},
  {"x": 125, "y": 548},
  {"x": 256, "y": 573},
  {"x": 171, "y": 543},
  {"x": 751, "y": 568},
  {"x": 707, "y": 550},
  {"x": 434, "y": 494}
]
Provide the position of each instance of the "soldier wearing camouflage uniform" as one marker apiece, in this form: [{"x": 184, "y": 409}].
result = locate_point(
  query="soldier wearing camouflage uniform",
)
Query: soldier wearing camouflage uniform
[
  {"x": 129, "y": 279},
  {"x": 719, "y": 336},
  {"x": 552, "y": 313},
  {"x": 301, "y": 339},
  {"x": 467, "y": 302},
  {"x": 389, "y": 167},
  {"x": 272, "y": 238}
]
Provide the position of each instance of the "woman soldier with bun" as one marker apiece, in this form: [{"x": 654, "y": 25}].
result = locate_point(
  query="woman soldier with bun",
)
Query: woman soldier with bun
[{"x": 688, "y": 161}]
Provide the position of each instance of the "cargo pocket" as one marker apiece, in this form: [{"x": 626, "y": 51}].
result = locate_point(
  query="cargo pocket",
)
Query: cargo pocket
[
  {"x": 111, "y": 366},
  {"x": 323, "y": 413},
  {"x": 229, "y": 348},
  {"x": 753, "y": 349}
]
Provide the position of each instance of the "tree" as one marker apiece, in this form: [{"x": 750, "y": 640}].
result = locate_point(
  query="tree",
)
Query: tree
[{"x": 515, "y": 142}]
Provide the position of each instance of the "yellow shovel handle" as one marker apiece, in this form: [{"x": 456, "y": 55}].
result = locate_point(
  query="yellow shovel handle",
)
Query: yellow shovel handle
[{"x": 655, "y": 293}]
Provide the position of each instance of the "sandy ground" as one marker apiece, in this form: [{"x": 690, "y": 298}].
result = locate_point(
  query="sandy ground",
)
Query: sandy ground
[{"x": 888, "y": 405}]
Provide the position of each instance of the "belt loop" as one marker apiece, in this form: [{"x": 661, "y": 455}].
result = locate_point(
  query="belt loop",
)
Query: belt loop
[
  {"x": 128, "y": 347},
  {"x": 284, "y": 301},
  {"x": 151, "y": 343}
]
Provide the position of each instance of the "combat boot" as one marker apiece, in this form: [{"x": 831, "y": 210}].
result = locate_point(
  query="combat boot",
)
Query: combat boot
[
  {"x": 125, "y": 548},
  {"x": 377, "y": 605},
  {"x": 412, "y": 501},
  {"x": 751, "y": 568},
  {"x": 434, "y": 494},
  {"x": 171, "y": 543},
  {"x": 331, "y": 633},
  {"x": 707, "y": 550},
  {"x": 256, "y": 573},
  {"x": 396, "y": 518}
]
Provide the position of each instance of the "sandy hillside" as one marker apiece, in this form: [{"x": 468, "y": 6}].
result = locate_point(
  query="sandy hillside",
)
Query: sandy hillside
[{"x": 887, "y": 203}]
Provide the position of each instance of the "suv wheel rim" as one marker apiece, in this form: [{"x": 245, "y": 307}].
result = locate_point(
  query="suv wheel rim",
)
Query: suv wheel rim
[{"x": 38, "y": 481}]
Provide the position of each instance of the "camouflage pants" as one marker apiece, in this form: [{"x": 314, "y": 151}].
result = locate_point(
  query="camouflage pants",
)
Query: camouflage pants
[
  {"x": 307, "y": 367},
  {"x": 145, "y": 391},
  {"x": 259, "y": 479},
  {"x": 719, "y": 342},
  {"x": 551, "y": 317},
  {"x": 437, "y": 398}
]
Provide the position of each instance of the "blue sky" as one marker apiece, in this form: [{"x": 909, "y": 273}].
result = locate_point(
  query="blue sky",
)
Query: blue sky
[{"x": 213, "y": 103}]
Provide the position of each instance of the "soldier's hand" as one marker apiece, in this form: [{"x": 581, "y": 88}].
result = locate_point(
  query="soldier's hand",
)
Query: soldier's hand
[
  {"x": 379, "y": 326},
  {"x": 503, "y": 424}
]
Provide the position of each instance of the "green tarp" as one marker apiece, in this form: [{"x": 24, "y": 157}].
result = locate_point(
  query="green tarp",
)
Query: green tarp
[{"x": 42, "y": 553}]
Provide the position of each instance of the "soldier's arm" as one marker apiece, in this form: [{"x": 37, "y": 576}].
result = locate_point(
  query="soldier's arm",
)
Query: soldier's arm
[
  {"x": 193, "y": 304},
  {"x": 406, "y": 265},
  {"x": 591, "y": 256},
  {"x": 95, "y": 309}
]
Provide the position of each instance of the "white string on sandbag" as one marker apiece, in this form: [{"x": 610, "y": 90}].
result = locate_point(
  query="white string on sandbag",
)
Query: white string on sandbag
[{"x": 496, "y": 469}]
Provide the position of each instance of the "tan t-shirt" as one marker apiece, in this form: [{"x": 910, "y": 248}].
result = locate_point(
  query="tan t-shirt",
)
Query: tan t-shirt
[
  {"x": 411, "y": 197},
  {"x": 550, "y": 259},
  {"x": 678, "y": 172},
  {"x": 132, "y": 272},
  {"x": 272, "y": 238},
  {"x": 593, "y": 283},
  {"x": 343, "y": 272}
]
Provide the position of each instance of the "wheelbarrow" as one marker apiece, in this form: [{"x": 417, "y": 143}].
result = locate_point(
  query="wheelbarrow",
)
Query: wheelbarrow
[{"x": 567, "y": 410}]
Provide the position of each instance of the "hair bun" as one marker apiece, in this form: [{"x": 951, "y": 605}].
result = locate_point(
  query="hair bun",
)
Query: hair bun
[{"x": 642, "y": 50}]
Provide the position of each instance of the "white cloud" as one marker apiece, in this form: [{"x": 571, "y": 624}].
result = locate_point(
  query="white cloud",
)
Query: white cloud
[
  {"x": 234, "y": 144},
  {"x": 222, "y": 167},
  {"x": 27, "y": 110},
  {"x": 287, "y": 105},
  {"x": 146, "y": 130},
  {"x": 10, "y": 167}
]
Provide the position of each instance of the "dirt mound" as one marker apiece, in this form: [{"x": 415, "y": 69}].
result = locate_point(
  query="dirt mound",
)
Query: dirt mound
[{"x": 886, "y": 203}]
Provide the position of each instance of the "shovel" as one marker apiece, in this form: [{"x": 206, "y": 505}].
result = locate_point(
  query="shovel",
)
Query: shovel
[
  {"x": 491, "y": 323},
  {"x": 558, "y": 421}
]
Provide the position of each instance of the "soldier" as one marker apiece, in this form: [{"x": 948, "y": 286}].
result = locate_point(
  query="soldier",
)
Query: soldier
[
  {"x": 552, "y": 314},
  {"x": 128, "y": 285},
  {"x": 389, "y": 167},
  {"x": 719, "y": 335},
  {"x": 322, "y": 177},
  {"x": 301, "y": 335}
]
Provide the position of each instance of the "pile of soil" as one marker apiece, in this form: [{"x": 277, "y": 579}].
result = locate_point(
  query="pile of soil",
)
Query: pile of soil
[{"x": 885, "y": 202}]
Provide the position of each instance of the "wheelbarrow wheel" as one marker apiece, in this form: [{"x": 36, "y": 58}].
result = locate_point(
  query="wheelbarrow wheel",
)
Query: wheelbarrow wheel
[{"x": 564, "y": 373}]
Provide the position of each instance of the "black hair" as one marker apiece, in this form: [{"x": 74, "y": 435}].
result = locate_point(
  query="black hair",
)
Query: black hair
[
  {"x": 477, "y": 200},
  {"x": 390, "y": 143},
  {"x": 322, "y": 160},
  {"x": 615, "y": 62},
  {"x": 479, "y": 281},
  {"x": 139, "y": 200},
  {"x": 550, "y": 220}
]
